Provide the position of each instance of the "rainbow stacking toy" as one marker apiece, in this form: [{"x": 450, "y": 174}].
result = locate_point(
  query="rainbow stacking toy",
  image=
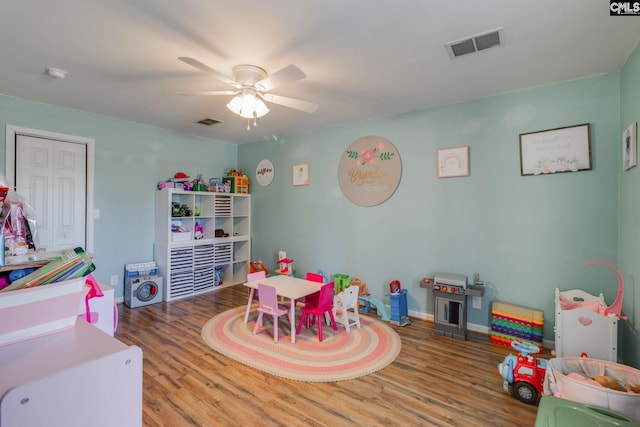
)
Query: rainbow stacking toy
[{"x": 512, "y": 322}]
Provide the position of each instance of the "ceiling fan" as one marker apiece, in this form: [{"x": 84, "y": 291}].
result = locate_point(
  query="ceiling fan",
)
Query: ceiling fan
[{"x": 252, "y": 87}]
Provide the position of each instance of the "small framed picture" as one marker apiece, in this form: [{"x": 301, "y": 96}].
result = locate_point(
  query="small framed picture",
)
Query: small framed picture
[
  {"x": 453, "y": 162},
  {"x": 629, "y": 147},
  {"x": 300, "y": 174}
]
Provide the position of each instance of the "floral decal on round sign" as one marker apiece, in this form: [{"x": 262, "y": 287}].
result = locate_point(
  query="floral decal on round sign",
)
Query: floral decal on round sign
[
  {"x": 369, "y": 171},
  {"x": 370, "y": 154}
]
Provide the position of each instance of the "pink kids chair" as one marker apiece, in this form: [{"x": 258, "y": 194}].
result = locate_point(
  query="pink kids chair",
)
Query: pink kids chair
[
  {"x": 252, "y": 277},
  {"x": 268, "y": 300},
  {"x": 324, "y": 305},
  {"x": 313, "y": 298}
]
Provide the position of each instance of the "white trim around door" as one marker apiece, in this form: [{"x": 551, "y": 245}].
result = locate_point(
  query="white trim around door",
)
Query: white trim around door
[{"x": 10, "y": 156}]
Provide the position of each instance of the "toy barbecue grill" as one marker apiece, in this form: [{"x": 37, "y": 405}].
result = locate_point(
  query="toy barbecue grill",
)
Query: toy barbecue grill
[
  {"x": 450, "y": 283},
  {"x": 450, "y": 305}
]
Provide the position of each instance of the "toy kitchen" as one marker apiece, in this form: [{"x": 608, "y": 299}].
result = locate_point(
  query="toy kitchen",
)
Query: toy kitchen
[{"x": 450, "y": 293}]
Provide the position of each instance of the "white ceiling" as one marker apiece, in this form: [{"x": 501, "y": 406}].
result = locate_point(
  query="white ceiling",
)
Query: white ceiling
[{"x": 364, "y": 59}]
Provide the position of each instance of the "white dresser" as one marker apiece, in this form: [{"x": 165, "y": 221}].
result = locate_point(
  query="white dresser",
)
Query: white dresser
[{"x": 72, "y": 378}]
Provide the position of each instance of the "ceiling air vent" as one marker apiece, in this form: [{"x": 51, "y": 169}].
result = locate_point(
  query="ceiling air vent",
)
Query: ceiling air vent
[
  {"x": 475, "y": 43},
  {"x": 209, "y": 121}
]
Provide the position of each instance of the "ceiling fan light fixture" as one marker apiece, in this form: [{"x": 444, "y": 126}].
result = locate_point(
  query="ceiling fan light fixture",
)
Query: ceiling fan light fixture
[
  {"x": 261, "y": 108},
  {"x": 247, "y": 105},
  {"x": 235, "y": 105}
]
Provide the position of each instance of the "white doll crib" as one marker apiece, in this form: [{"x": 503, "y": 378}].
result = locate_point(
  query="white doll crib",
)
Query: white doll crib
[{"x": 583, "y": 331}]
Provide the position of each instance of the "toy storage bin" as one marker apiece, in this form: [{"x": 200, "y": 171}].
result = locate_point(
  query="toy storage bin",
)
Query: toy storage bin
[
  {"x": 560, "y": 385},
  {"x": 42, "y": 310},
  {"x": 557, "y": 412},
  {"x": 185, "y": 236}
]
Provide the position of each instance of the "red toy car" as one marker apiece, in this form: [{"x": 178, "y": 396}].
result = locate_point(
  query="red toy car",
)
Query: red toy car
[{"x": 524, "y": 372}]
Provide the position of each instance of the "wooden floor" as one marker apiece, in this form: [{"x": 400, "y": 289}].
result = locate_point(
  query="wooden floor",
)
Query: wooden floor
[{"x": 435, "y": 381}]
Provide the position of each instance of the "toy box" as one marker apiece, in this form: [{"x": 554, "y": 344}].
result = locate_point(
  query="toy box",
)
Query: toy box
[{"x": 41, "y": 310}]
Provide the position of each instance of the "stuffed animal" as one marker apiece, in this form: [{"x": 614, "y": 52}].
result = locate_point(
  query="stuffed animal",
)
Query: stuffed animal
[{"x": 608, "y": 382}]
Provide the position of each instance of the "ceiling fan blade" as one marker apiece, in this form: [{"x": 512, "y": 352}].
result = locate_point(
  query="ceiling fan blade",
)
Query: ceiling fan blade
[
  {"x": 200, "y": 66},
  {"x": 297, "y": 104},
  {"x": 210, "y": 92},
  {"x": 288, "y": 74}
]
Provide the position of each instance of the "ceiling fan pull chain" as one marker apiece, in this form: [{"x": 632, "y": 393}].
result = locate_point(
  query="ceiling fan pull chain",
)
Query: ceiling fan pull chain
[{"x": 248, "y": 124}]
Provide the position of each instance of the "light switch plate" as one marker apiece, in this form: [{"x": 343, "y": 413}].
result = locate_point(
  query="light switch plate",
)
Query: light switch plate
[{"x": 477, "y": 303}]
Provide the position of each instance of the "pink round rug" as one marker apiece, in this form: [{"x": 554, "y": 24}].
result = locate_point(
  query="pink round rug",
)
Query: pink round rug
[{"x": 340, "y": 356}]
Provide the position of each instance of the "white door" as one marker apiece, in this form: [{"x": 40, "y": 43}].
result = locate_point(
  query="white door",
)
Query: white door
[{"x": 52, "y": 176}]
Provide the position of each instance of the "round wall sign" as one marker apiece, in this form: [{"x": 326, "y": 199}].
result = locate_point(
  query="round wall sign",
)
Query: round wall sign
[
  {"x": 264, "y": 172},
  {"x": 369, "y": 171}
]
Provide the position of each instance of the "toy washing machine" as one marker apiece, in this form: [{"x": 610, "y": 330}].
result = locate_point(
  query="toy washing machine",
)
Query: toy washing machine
[{"x": 142, "y": 290}]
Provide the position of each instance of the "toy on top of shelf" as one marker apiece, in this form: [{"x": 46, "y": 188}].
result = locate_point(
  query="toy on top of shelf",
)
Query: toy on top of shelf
[
  {"x": 180, "y": 177},
  {"x": 216, "y": 185},
  {"x": 198, "y": 183},
  {"x": 237, "y": 181},
  {"x": 525, "y": 372}
]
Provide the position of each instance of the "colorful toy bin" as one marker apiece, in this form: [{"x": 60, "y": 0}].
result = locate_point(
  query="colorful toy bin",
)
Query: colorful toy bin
[{"x": 572, "y": 378}]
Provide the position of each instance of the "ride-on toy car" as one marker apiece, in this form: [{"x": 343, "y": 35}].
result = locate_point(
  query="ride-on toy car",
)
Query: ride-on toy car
[{"x": 525, "y": 372}]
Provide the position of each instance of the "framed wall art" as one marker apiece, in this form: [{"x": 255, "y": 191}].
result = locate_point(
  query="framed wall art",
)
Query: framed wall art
[
  {"x": 629, "y": 147},
  {"x": 300, "y": 174},
  {"x": 453, "y": 162},
  {"x": 566, "y": 149}
]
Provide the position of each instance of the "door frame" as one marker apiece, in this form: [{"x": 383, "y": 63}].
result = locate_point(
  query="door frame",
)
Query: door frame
[{"x": 10, "y": 166}]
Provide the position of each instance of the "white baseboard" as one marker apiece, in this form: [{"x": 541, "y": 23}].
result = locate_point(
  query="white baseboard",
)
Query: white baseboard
[{"x": 473, "y": 327}]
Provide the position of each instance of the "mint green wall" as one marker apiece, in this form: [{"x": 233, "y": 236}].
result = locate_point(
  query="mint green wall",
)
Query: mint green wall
[
  {"x": 524, "y": 235},
  {"x": 129, "y": 161},
  {"x": 629, "y": 209}
]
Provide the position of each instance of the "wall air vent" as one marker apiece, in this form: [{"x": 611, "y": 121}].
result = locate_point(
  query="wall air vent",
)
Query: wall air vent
[
  {"x": 209, "y": 121},
  {"x": 475, "y": 43}
]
